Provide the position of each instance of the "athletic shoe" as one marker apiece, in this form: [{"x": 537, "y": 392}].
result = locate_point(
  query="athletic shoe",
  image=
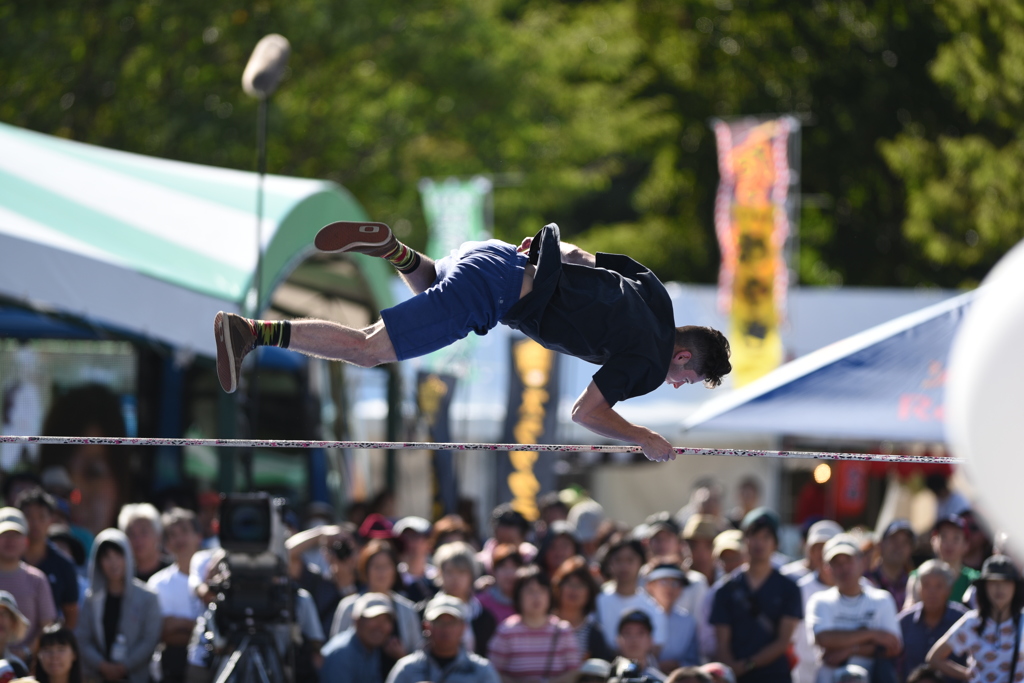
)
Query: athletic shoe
[
  {"x": 374, "y": 239},
  {"x": 235, "y": 339}
]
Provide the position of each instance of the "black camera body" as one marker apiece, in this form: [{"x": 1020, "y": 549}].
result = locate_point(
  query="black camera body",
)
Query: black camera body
[
  {"x": 253, "y": 588},
  {"x": 628, "y": 671}
]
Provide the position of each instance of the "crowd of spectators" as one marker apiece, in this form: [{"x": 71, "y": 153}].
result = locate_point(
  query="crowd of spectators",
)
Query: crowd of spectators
[{"x": 692, "y": 596}]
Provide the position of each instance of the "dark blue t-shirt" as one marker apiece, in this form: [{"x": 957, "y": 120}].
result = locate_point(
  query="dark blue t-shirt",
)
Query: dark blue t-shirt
[
  {"x": 755, "y": 618},
  {"x": 60, "y": 570},
  {"x": 617, "y": 315}
]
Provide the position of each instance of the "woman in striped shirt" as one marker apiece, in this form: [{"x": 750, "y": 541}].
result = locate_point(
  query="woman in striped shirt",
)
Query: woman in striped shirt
[{"x": 533, "y": 644}]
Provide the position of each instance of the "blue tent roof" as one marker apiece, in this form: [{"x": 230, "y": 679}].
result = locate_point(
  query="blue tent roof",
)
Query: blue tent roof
[{"x": 885, "y": 383}]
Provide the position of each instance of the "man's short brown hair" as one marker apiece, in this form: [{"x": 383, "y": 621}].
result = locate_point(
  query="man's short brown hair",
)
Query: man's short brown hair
[{"x": 710, "y": 350}]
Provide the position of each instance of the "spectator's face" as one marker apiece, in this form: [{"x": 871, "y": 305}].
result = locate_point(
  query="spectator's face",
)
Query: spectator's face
[
  {"x": 415, "y": 544},
  {"x": 760, "y": 545},
  {"x": 505, "y": 576},
  {"x": 749, "y": 497},
  {"x": 375, "y": 631},
  {"x": 560, "y": 550},
  {"x": 380, "y": 574},
  {"x": 113, "y": 566},
  {"x": 730, "y": 559},
  {"x": 665, "y": 543},
  {"x": 846, "y": 571},
  {"x": 554, "y": 513},
  {"x": 935, "y": 591},
  {"x": 665, "y": 591},
  {"x": 508, "y": 533},
  {"x": 896, "y": 549},
  {"x": 634, "y": 642},
  {"x": 534, "y": 600},
  {"x": 143, "y": 539},
  {"x": 57, "y": 659},
  {"x": 814, "y": 552},
  {"x": 456, "y": 581},
  {"x": 624, "y": 566},
  {"x": 38, "y": 518},
  {"x": 6, "y": 626},
  {"x": 12, "y": 546},
  {"x": 575, "y": 593},
  {"x": 1000, "y": 592},
  {"x": 701, "y": 550},
  {"x": 445, "y": 635},
  {"x": 950, "y": 544},
  {"x": 182, "y": 539}
]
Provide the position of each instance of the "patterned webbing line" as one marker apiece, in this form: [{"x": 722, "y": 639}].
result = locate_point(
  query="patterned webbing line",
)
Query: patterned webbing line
[{"x": 429, "y": 446}]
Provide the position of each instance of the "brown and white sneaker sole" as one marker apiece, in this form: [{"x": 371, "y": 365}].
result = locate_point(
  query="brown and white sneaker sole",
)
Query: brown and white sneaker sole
[
  {"x": 227, "y": 373},
  {"x": 374, "y": 239}
]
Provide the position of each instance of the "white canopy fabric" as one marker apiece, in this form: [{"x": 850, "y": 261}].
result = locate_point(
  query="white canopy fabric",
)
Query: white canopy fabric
[{"x": 150, "y": 246}]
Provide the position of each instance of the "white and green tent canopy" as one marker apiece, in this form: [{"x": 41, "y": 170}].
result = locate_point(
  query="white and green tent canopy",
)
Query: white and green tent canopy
[{"x": 157, "y": 247}]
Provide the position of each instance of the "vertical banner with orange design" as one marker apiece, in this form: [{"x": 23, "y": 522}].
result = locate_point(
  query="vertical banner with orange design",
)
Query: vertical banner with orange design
[
  {"x": 752, "y": 220},
  {"x": 531, "y": 418}
]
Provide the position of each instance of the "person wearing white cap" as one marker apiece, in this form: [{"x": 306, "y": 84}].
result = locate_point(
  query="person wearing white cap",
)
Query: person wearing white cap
[
  {"x": 28, "y": 585},
  {"x": 418, "y": 575},
  {"x": 355, "y": 654},
  {"x": 818, "y": 580},
  {"x": 853, "y": 622},
  {"x": 443, "y": 658},
  {"x": 664, "y": 580},
  {"x": 817, "y": 534}
]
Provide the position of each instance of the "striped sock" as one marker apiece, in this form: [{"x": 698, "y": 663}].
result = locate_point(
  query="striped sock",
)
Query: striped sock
[
  {"x": 403, "y": 258},
  {"x": 272, "y": 332}
]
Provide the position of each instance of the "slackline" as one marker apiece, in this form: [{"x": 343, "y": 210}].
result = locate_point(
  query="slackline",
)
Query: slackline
[{"x": 427, "y": 446}]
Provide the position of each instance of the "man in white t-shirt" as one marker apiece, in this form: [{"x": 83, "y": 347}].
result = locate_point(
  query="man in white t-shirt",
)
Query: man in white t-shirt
[
  {"x": 812, "y": 583},
  {"x": 621, "y": 564},
  {"x": 851, "y": 623},
  {"x": 178, "y": 603}
]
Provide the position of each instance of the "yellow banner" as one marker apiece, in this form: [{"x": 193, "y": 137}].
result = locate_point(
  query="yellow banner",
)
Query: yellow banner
[{"x": 752, "y": 225}]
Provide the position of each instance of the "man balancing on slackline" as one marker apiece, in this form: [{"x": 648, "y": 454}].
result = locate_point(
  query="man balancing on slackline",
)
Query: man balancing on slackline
[{"x": 606, "y": 309}]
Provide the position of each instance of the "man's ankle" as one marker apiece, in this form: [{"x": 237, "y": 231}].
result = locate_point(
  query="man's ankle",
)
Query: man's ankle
[{"x": 272, "y": 332}]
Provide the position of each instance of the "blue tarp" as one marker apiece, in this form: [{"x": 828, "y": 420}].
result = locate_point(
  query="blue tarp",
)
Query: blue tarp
[{"x": 885, "y": 383}]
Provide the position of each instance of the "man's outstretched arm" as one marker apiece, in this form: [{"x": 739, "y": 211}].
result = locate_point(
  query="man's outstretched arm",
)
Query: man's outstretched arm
[{"x": 593, "y": 412}]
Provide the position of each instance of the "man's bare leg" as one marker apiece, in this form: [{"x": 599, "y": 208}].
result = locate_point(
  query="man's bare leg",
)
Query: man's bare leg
[{"x": 366, "y": 348}]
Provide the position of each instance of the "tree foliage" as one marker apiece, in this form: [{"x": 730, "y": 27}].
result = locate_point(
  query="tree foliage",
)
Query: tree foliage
[{"x": 593, "y": 114}]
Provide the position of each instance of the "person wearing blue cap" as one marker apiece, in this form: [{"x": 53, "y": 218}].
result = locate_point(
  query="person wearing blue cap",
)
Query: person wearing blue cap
[{"x": 757, "y": 610}]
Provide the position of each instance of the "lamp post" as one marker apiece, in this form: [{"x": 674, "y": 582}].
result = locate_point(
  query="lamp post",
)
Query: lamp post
[{"x": 262, "y": 76}]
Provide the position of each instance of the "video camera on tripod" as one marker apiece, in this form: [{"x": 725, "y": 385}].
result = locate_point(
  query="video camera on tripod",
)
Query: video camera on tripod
[{"x": 254, "y": 605}]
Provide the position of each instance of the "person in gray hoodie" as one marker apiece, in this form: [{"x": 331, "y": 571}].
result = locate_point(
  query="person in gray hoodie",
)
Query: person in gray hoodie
[{"x": 120, "y": 622}]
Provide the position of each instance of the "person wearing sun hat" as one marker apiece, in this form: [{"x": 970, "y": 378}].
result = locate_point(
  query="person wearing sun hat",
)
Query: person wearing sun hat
[
  {"x": 13, "y": 627},
  {"x": 990, "y": 636}
]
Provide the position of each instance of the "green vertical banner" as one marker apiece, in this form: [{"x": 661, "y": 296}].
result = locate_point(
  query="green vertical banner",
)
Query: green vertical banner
[{"x": 456, "y": 212}]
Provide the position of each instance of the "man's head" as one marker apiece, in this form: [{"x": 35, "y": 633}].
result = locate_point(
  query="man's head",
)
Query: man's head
[
  {"x": 729, "y": 549},
  {"x": 509, "y": 525},
  {"x": 842, "y": 553},
  {"x": 635, "y": 635},
  {"x": 374, "y": 617},
  {"x": 623, "y": 559},
  {"x": 760, "y": 529},
  {"x": 936, "y": 580},
  {"x": 140, "y": 522},
  {"x": 181, "y": 533},
  {"x": 897, "y": 544},
  {"x": 663, "y": 535},
  {"x": 13, "y": 535},
  {"x": 414, "y": 534},
  {"x": 664, "y": 580},
  {"x": 701, "y": 354},
  {"x": 39, "y": 507},
  {"x": 949, "y": 539},
  {"x": 444, "y": 621},
  {"x": 818, "y": 535},
  {"x": 699, "y": 533}
]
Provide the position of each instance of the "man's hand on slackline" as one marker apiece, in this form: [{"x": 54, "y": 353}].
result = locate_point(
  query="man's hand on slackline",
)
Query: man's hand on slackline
[{"x": 593, "y": 412}]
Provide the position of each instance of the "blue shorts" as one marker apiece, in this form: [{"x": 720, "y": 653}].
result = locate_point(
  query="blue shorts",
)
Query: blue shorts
[{"x": 474, "y": 289}]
